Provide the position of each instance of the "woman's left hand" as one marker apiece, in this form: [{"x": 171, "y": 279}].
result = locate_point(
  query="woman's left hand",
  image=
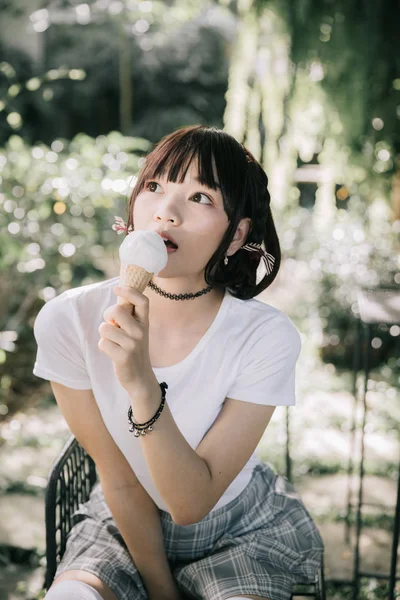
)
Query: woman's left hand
[{"x": 128, "y": 344}]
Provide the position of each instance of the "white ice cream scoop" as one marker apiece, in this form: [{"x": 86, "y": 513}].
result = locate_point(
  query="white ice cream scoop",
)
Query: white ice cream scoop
[{"x": 145, "y": 249}]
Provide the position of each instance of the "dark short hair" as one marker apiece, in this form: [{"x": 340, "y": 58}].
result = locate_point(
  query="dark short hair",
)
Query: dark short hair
[{"x": 244, "y": 188}]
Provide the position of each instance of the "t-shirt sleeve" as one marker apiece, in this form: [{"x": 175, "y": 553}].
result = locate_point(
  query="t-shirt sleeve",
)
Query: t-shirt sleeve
[
  {"x": 60, "y": 355},
  {"x": 266, "y": 374}
]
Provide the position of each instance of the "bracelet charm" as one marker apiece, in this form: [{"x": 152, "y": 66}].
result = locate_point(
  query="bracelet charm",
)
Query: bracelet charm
[{"x": 140, "y": 428}]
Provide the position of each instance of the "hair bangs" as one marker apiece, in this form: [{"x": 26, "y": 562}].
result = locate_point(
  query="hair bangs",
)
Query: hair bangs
[{"x": 173, "y": 159}]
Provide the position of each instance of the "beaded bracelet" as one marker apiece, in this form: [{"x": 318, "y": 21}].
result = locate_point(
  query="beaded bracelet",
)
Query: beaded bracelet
[{"x": 140, "y": 428}]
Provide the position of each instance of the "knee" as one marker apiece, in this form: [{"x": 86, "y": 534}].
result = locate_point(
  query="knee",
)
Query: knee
[{"x": 72, "y": 590}]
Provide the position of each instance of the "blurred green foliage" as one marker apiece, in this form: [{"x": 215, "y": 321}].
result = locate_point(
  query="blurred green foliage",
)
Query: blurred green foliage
[
  {"x": 57, "y": 208},
  {"x": 168, "y": 67},
  {"x": 353, "y": 49},
  {"x": 314, "y": 94},
  {"x": 357, "y": 251}
]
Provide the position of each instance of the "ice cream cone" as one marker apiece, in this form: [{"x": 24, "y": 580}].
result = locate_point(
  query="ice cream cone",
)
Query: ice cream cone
[{"x": 134, "y": 277}]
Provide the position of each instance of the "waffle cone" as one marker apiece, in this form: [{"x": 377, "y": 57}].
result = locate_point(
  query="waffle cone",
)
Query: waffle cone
[{"x": 134, "y": 277}]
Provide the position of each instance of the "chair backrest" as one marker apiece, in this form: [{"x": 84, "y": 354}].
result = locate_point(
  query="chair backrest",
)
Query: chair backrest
[{"x": 71, "y": 478}]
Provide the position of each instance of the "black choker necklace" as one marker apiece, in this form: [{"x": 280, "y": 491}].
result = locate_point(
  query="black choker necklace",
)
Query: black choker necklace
[{"x": 154, "y": 287}]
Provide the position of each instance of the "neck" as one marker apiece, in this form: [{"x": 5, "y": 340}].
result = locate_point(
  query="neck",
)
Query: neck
[{"x": 167, "y": 314}]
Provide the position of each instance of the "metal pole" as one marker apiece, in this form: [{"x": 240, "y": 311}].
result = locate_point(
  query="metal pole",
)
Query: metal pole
[
  {"x": 350, "y": 466},
  {"x": 395, "y": 544},
  {"x": 356, "y": 575}
]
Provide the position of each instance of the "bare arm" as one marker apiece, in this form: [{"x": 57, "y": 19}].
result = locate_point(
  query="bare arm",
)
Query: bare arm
[
  {"x": 134, "y": 511},
  {"x": 138, "y": 520},
  {"x": 191, "y": 481}
]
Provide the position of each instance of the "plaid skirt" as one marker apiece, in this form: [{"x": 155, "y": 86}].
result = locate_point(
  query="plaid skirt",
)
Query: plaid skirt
[{"x": 262, "y": 543}]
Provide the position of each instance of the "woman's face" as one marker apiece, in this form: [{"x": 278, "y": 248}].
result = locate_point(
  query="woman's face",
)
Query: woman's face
[{"x": 191, "y": 213}]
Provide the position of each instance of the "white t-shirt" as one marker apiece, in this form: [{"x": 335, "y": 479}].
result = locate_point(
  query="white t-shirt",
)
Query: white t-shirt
[{"x": 249, "y": 353}]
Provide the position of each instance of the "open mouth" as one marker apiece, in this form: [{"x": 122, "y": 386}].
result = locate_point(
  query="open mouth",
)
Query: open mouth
[{"x": 170, "y": 245}]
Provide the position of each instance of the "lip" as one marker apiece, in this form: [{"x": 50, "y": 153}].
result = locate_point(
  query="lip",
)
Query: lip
[
  {"x": 169, "y": 250},
  {"x": 165, "y": 236}
]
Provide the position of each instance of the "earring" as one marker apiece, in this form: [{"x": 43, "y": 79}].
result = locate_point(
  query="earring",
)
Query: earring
[{"x": 225, "y": 260}]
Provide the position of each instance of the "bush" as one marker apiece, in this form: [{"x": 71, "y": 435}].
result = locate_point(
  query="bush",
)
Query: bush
[
  {"x": 58, "y": 207},
  {"x": 351, "y": 253}
]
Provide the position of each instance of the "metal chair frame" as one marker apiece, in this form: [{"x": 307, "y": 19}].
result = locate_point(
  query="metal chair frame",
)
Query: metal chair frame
[{"x": 71, "y": 479}]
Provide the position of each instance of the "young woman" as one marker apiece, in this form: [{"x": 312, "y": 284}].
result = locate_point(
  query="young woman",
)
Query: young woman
[{"x": 172, "y": 397}]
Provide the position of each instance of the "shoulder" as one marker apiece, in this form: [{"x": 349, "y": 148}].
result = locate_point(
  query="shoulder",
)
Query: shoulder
[
  {"x": 92, "y": 292},
  {"x": 257, "y": 320},
  {"x": 73, "y": 305},
  {"x": 86, "y": 295}
]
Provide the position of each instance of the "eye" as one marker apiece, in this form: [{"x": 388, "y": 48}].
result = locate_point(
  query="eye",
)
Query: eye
[
  {"x": 198, "y": 194},
  {"x": 151, "y": 183}
]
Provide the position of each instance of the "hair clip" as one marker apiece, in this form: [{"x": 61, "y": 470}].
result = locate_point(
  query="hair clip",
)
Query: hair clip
[
  {"x": 120, "y": 226},
  {"x": 268, "y": 259}
]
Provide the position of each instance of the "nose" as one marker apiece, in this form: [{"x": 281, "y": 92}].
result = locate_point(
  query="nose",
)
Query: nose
[{"x": 167, "y": 210}]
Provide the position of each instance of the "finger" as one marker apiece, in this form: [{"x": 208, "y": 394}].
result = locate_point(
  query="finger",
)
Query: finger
[
  {"x": 138, "y": 300},
  {"x": 110, "y": 316},
  {"x": 110, "y": 313},
  {"x": 114, "y": 351},
  {"x": 120, "y": 316},
  {"x": 116, "y": 335}
]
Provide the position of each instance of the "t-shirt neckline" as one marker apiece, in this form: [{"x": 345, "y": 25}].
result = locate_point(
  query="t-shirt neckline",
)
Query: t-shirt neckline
[{"x": 223, "y": 309}]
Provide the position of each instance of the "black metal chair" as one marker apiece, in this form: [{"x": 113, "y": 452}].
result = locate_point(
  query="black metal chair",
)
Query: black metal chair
[{"x": 71, "y": 479}]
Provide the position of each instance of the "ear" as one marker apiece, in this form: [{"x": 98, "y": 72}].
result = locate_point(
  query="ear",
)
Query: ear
[{"x": 239, "y": 239}]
